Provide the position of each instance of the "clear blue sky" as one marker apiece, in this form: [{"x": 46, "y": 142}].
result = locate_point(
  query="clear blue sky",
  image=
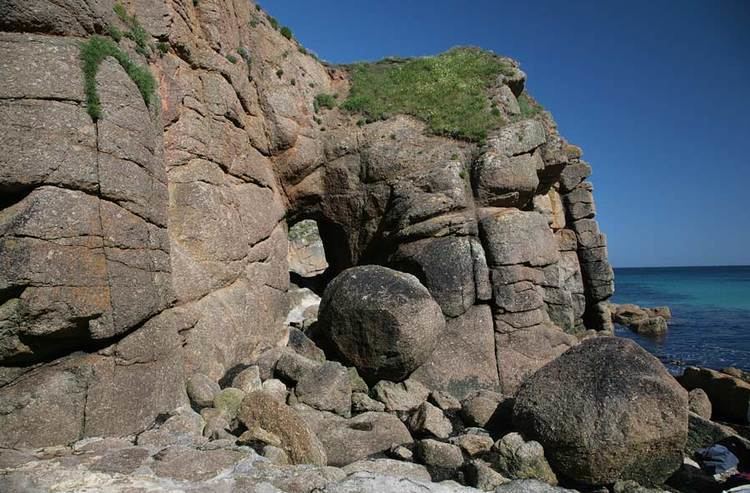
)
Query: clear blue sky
[{"x": 656, "y": 92}]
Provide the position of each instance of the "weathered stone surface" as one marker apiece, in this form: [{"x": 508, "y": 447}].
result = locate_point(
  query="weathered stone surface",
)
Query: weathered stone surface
[
  {"x": 531, "y": 486},
  {"x": 522, "y": 352},
  {"x": 362, "y": 403},
  {"x": 518, "y": 138},
  {"x": 292, "y": 366},
  {"x": 517, "y": 237},
  {"x": 473, "y": 444},
  {"x": 573, "y": 174},
  {"x": 445, "y": 401},
  {"x": 603, "y": 378},
  {"x": 730, "y": 396},
  {"x": 503, "y": 181},
  {"x": 403, "y": 396},
  {"x": 519, "y": 459},
  {"x": 276, "y": 389},
  {"x": 327, "y": 388},
  {"x": 257, "y": 436},
  {"x": 389, "y": 467},
  {"x": 445, "y": 267},
  {"x": 703, "y": 433},
  {"x": 187, "y": 464},
  {"x": 383, "y": 322},
  {"x": 70, "y": 17},
  {"x": 428, "y": 420},
  {"x": 202, "y": 390},
  {"x": 248, "y": 380},
  {"x": 652, "y": 327},
  {"x": 298, "y": 441},
  {"x": 484, "y": 409},
  {"x": 306, "y": 253},
  {"x": 228, "y": 401},
  {"x": 699, "y": 403},
  {"x": 480, "y": 475},
  {"x": 302, "y": 344},
  {"x": 442, "y": 459},
  {"x": 349, "y": 440},
  {"x": 464, "y": 360}
]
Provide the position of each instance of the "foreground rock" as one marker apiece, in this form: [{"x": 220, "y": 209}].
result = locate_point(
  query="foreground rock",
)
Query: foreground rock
[
  {"x": 518, "y": 459},
  {"x": 630, "y": 414},
  {"x": 349, "y": 440},
  {"x": 383, "y": 322},
  {"x": 110, "y": 464}
]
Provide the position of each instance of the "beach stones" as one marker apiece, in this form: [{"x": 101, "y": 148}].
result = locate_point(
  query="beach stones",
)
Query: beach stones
[
  {"x": 381, "y": 321},
  {"x": 606, "y": 410}
]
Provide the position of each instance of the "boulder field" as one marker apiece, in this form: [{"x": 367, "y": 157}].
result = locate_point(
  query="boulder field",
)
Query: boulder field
[{"x": 156, "y": 160}]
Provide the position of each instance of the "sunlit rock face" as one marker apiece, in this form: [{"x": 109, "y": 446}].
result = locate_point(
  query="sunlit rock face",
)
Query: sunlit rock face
[{"x": 151, "y": 243}]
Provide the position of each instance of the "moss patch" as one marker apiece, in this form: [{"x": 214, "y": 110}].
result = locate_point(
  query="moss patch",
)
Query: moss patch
[
  {"x": 324, "y": 101},
  {"x": 93, "y": 52},
  {"x": 447, "y": 91}
]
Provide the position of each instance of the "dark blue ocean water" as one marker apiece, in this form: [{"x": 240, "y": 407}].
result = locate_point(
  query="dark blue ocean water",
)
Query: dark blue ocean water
[{"x": 710, "y": 308}]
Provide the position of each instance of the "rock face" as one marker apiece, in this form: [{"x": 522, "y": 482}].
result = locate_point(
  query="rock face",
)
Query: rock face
[
  {"x": 382, "y": 321},
  {"x": 150, "y": 244},
  {"x": 630, "y": 414}
]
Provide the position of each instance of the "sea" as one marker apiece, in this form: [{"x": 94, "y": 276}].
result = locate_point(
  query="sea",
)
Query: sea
[{"x": 710, "y": 324}]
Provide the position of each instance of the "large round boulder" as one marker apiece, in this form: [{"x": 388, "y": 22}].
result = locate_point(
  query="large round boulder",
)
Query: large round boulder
[
  {"x": 606, "y": 410},
  {"x": 382, "y": 321}
]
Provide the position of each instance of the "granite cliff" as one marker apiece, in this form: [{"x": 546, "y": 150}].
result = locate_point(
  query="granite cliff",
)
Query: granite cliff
[{"x": 149, "y": 242}]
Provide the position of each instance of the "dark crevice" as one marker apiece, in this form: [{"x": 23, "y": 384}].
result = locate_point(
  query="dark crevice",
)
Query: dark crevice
[
  {"x": 10, "y": 293},
  {"x": 76, "y": 338},
  {"x": 316, "y": 284},
  {"x": 13, "y": 193},
  {"x": 51, "y": 346}
]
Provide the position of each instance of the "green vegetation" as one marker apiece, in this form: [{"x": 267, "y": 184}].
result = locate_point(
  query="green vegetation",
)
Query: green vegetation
[
  {"x": 324, "y": 101},
  {"x": 279, "y": 73},
  {"x": 447, "y": 91},
  {"x": 528, "y": 106},
  {"x": 93, "y": 52},
  {"x": 273, "y": 21},
  {"x": 232, "y": 58},
  {"x": 114, "y": 33},
  {"x": 244, "y": 54},
  {"x": 162, "y": 47},
  {"x": 137, "y": 33},
  {"x": 286, "y": 32}
]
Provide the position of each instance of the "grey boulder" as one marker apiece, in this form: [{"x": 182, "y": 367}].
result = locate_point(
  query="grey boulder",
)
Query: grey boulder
[
  {"x": 630, "y": 413},
  {"x": 383, "y": 322}
]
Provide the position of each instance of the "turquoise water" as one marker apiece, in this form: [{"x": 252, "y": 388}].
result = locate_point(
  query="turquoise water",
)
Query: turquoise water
[{"x": 710, "y": 307}]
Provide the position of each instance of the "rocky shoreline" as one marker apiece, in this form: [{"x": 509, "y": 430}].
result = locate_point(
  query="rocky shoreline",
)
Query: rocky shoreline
[
  {"x": 403, "y": 436},
  {"x": 448, "y": 328},
  {"x": 294, "y": 406}
]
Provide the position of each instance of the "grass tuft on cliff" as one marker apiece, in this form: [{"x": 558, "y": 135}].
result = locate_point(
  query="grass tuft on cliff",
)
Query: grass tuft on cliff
[
  {"x": 447, "y": 91},
  {"x": 93, "y": 53},
  {"x": 137, "y": 33}
]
